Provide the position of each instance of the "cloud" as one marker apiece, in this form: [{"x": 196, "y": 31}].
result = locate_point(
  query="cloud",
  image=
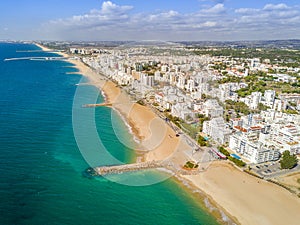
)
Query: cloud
[
  {"x": 270, "y": 14},
  {"x": 218, "y": 8},
  {"x": 275, "y": 7},
  {"x": 246, "y": 11},
  {"x": 216, "y": 22},
  {"x": 109, "y": 7},
  {"x": 108, "y": 14},
  {"x": 209, "y": 24}
]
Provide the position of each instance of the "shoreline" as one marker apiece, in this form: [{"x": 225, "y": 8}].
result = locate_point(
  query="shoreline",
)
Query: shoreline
[{"x": 243, "y": 198}]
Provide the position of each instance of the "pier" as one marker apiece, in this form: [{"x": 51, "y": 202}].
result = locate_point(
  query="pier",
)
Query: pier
[
  {"x": 96, "y": 105},
  {"x": 118, "y": 169},
  {"x": 105, "y": 170},
  {"x": 38, "y": 58}
]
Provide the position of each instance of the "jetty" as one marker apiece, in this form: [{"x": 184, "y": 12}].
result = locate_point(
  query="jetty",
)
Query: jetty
[
  {"x": 105, "y": 170},
  {"x": 119, "y": 169},
  {"x": 96, "y": 105},
  {"x": 38, "y": 58}
]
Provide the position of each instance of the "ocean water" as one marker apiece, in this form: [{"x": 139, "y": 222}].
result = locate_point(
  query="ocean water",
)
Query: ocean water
[{"x": 41, "y": 166}]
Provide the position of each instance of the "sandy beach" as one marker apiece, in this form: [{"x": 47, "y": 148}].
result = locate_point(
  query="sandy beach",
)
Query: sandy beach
[
  {"x": 248, "y": 199},
  {"x": 156, "y": 138}
]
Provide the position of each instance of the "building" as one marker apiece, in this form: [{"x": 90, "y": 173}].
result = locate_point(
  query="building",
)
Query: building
[
  {"x": 212, "y": 108},
  {"x": 269, "y": 98},
  {"x": 217, "y": 130},
  {"x": 250, "y": 147},
  {"x": 287, "y": 138}
]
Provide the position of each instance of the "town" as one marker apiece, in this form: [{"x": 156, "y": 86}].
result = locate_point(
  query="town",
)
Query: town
[{"x": 244, "y": 108}]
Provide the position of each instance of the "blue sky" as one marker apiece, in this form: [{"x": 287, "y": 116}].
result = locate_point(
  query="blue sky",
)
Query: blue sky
[{"x": 149, "y": 19}]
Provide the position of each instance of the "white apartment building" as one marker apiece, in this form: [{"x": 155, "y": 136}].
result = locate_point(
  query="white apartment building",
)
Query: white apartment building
[
  {"x": 183, "y": 111},
  {"x": 252, "y": 149},
  {"x": 255, "y": 100},
  {"x": 269, "y": 98},
  {"x": 212, "y": 108},
  {"x": 288, "y": 138},
  {"x": 217, "y": 130}
]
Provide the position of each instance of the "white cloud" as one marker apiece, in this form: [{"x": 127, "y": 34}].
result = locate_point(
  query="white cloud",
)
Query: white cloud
[
  {"x": 118, "y": 22},
  {"x": 218, "y": 8},
  {"x": 209, "y": 24},
  {"x": 246, "y": 11},
  {"x": 275, "y": 7}
]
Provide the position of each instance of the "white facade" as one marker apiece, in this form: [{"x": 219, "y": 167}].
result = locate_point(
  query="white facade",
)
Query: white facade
[
  {"x": 216, "y": 129},
  {"x": 269, "y": 97},
  {"x": 254, "y": 151},
  {"x": 213, "y": 109}
]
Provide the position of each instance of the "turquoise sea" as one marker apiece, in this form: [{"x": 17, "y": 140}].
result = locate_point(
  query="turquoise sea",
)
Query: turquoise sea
[{"x": 41, "y": 167}]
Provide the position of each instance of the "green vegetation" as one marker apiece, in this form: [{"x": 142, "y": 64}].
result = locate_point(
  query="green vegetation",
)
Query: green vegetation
[
  {"x": 190, "y": 165},
  {"x": 202, "y": 118},
  {"x": 191, "y": 129},
  {"x": 223, "y": 151},
  {"x": 141, "y": 102},
  {"x": 227, "y": 117},
  {"x": 147, "y": 67},
  {"x": 298, "y": 180},
  {"x": 283, "y": 57},
  {"x": 238, "y": 107},
  {"x": 262, "y": 107},
  {"x": 202, "y": 141},
  {"x": 174, "y": 119},
  {"x": 237, "y": 162},
  {"x": 230, "y": 79},
  {"x": 260, "y": 81},
  {"x": 290, "y": 111},
  {"x": 219, "y": 67},
  {"x": 253, "y": 86},
  {"x": 288, "y": 161}
]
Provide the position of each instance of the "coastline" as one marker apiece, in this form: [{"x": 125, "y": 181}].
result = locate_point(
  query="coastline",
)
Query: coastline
[
  {"x": 251, "y": 200},
  {"x": 248, "y": 199}
]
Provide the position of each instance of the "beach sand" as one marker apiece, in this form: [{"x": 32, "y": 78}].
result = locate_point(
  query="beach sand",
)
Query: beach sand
[
  {"x": 155, "y": 137},
  {"x": 249, "y": 199}
]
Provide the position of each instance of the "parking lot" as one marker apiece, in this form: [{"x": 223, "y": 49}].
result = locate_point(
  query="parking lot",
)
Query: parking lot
[{"x": 271, "y": 169}]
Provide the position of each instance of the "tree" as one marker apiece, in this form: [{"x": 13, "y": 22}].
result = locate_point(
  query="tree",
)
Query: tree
[
  {"x": 262, "y": 107},
  {"x": 223, "y": 151},
  {"x": 288, "y": 161},
  {"x": 227, "y": 117},
  {"x": 202, "y": 141}
]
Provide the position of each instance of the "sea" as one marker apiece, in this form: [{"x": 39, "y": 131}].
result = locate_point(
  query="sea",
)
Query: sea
[{"x": 43, "y": 177}]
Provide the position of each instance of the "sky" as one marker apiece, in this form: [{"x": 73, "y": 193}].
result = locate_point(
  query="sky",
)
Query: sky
[{"x": 164, "y": 20}]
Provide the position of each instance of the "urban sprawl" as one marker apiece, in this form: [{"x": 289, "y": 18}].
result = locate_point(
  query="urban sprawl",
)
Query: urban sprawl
[{"x": 246, "y": 107}]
